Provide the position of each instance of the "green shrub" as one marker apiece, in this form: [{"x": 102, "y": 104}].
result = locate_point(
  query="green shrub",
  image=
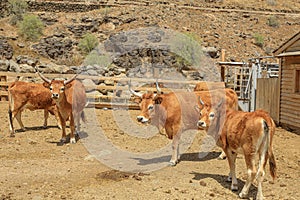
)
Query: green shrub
[
  {"x": 258, "y": 40},
  {"x": 88, "y": 43},
  {"x": 187, "y": 48},
  {"x": 95, "y": 59},
  {"x": 17, "y": 8},
  {"x": 272, "y": 21},
  {"x": 271, "y": 2},
  {"x": 31, "y": 27}
]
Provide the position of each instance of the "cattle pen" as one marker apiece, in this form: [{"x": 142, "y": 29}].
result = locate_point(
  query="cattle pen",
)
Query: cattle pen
[{"x": 112, "y": 93}]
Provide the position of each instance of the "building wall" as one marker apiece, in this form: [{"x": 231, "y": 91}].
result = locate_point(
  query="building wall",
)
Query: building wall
[{"x": 289, "y": 100}]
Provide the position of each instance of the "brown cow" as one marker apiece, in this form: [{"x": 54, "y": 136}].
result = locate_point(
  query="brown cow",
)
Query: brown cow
[
  {"x": 250, "y": 133},
  {"x": 206, "y": 86},
  {"x": 70, "y": 98},
  {"x": 173, "y": 112},
  {"x": 32, "y": 96}
]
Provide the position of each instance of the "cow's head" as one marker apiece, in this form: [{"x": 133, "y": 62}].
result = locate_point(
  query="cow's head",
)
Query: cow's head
[
  {"x": 148, "y": 104},
  {"x": 209, "y": 115},
  {"x": 57, "y": 87}
]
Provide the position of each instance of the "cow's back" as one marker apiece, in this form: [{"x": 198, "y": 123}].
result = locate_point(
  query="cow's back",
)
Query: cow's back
[
  {"x": 34, "y": 95},
  {"x": 76, "y": 95},
  {"x": 244, "y": 127}
]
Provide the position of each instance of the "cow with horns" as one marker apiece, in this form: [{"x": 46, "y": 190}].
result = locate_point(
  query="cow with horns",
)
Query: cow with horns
[
  {"x": 249, "y": 133},
  {"x": 70, "y": 98},
  {"x": 32, "y": 96},
  {"x": 173, "y": 112}
]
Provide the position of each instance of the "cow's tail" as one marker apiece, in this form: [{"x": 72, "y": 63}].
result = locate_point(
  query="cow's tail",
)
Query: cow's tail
[
  {"x": 272, "y": 163},
  {"x": 10, "y": 117},
  {"x": 266, "y": 151},
  {"x": 83, "y": 117}
]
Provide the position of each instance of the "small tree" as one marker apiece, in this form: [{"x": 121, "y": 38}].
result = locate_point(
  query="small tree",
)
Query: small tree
[
  {"x": 31, "y": 27},
  {"x": 17, "y": 8},
  {"x": 88, "y": 43}
]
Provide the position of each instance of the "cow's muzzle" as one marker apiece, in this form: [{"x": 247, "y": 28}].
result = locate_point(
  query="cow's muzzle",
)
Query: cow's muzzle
[
  {"x": 55, "y": 96},
  {"x": 142, "y": 119},
  {"x": 201, "y": 124}
]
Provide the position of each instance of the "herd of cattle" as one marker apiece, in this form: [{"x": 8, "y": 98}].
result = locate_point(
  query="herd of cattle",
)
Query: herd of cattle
[{"x": 208, "y": 108}]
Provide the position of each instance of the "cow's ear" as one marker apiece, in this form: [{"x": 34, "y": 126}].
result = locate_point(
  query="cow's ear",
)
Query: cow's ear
[
  {"x": 68, "y": 85},
  {"x": 158, "y": 99},
  {"x": 46, "y": 85},
  {"x": 137, "y": 100}
]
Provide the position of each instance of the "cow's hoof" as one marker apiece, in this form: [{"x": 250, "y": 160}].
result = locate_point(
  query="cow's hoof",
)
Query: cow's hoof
[
  {"x": 221, "y": 158},
  {"x": 72, "y": 141},
  {"x": 243, "y": 195},
  {"x": 12, "y": 135},
  {"x": 234, "y": 187},
  {"x": 173, "y": 163}
]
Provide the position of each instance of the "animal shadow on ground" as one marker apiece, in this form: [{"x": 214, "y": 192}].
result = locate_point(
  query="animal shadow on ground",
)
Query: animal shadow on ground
[
  {"x": 78, "y": 136},
  {"x": 222, "y": 180},
  {"x": 183, "y": 157},
  {"x": 35, "y": 128}
]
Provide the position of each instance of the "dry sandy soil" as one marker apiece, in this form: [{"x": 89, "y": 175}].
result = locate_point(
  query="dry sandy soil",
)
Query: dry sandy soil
[{"x": 33, "y": 166}]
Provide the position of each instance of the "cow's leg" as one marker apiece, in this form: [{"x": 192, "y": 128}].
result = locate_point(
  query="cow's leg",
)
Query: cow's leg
[
  {"x": 77, "y": 122},
  {"x": 251, "y": 175},
  {"x": 231, "y": 157},
  {"x": 175, "y": 150},
  {"x": 11, "y": 125},
  {"x": 72, "y": 127},
  {"x": 63, "y": 129},
  {"x": 18, "y": 117},
  {"x": 260, "y": 174},
  {"x": 46, "y": 115}
]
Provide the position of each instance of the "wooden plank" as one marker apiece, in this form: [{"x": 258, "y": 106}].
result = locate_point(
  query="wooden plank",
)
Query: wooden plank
[
  {"x": 267, "y": 96},
  {"x": 288, "y": 122},
  {"x": 291, "y": 110},
  {"x": 4, "y": 84},
  {"x": 3, "y": 93},
  {"x": 288, "y": 119},
  {"x": 110, "y": 106}
]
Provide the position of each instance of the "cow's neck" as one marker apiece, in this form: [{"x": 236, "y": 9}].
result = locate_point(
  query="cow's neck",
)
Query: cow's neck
[{"x": 63, "y": 103}]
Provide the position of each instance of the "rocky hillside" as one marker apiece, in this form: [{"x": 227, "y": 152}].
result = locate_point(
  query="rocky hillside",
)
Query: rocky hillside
[{"x": 243, "y": 29}]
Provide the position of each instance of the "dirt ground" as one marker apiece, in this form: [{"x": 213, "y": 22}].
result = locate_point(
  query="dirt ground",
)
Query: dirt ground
[{"x": 33, "y": 166}]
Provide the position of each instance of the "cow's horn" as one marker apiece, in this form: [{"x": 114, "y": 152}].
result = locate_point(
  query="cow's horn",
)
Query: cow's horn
[
  {"x": 157, "y": 87},
  {"x": 43, "y": 77},
  {"x": 134, "y": 92},
  {"x": 201, "y": 102},
  {"x": 69, "y": 80}
]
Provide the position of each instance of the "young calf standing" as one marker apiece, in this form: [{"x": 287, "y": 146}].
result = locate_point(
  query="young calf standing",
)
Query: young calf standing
[
  {"x": 70, "y": 98},
  {"x": 250, "y": 133}
]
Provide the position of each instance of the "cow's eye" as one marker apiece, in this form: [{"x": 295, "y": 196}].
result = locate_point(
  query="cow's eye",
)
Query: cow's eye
[
  {"x": 51, "y": 88},
  {"x": 62, "y": 89},
  {"x": 150, "y": 107},
  {"x": 212, "y": 115}
]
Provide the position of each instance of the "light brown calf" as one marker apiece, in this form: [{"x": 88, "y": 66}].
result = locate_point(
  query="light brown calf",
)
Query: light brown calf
[
  {"x": 249, "y": 133},
  {"x": 230, "y": 94},
  {"x": 32, "y": 96},
  {"x": 70, "y": 99}
]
